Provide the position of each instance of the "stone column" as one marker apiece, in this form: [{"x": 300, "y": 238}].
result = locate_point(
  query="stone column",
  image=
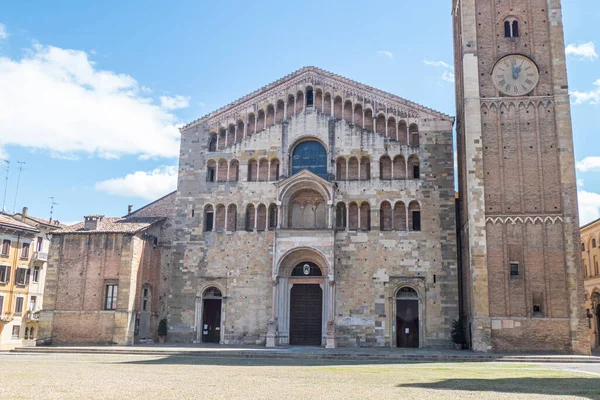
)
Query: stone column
[
  {"x": 256, "y": 219},
  {"x": 386, "y": 127},
  {"x": 279, "y": 212},
  {"x": 330, "y": 338},
  {"x": 272, "y": 323},
  {"x": 332, "y": 100}
]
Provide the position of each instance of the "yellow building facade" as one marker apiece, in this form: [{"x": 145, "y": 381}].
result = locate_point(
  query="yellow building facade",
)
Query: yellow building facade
[
  {"x": 18, "y": 242},
  {"x": 590, "y": 254}
]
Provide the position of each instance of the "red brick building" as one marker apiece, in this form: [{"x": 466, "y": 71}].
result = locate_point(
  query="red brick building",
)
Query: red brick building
[{"x": 103, "y": 284}]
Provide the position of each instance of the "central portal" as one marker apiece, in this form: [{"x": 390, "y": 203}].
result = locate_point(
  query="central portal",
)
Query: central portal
[{"x": 306, "y": 305}]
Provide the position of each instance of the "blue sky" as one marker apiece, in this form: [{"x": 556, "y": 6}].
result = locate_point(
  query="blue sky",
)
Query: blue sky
[{"x": 91, "y": 93}]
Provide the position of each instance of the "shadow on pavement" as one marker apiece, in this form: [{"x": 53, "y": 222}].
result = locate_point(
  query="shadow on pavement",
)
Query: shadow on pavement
[
  {"x": 583, "y": 387},
  {"x": 259, "y": 361}
]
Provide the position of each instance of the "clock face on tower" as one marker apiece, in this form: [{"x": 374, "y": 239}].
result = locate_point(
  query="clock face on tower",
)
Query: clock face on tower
[{"x": 515, "y": 75}]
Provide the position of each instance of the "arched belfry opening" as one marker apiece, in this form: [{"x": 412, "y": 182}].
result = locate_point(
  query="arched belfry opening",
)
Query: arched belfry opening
[{"x": 303, "y": 299}]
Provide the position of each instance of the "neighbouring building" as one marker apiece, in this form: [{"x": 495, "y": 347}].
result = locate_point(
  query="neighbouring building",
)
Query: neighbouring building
[
  {"x": 104, "y": 283},
  {"x": 38, "y": 267},
  {"x": 519, "y": 225},
  {"x": 316, "y": 211},
  {"x": 16, "y": 276},
  {"x": 590, "y": 254}
]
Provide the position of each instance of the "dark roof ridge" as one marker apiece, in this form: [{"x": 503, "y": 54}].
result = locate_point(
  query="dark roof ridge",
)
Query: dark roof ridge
[{"x": 132, "y": 214}]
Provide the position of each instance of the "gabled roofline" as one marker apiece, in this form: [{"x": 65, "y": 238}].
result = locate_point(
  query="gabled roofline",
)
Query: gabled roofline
[
  {"x": 100, "y": 232},
  {"x": 328, "y": 74},
  {"x": 148, "y": 205},
  {"x": 589, "y": 223}
]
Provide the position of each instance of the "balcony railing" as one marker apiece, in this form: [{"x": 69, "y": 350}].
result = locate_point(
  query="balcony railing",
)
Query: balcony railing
[
  {"x": 40, "y": 256},
  {"x": 32, "y": 316}
]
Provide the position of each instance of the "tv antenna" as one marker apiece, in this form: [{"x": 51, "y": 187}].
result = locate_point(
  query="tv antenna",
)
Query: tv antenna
[
  {"x": 7, "y": 169},
  {"x": 52, "y": 204},
  {"x": 21, "y": 163}
]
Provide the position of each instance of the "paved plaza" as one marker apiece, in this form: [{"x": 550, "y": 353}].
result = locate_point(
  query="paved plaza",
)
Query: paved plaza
[{"x": 116, "y": 376}]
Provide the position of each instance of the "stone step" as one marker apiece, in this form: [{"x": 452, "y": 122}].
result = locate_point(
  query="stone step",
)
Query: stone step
[{"x": 314, "y": 355}]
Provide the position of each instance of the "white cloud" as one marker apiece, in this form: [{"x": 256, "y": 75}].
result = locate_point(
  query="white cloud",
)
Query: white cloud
[
  {"x": 174, "y": 103},
  {"x": 588, "y": 164},
  {"x": 589, "y": 206},
  {"x": 386, "y": 53},
  {"x": 148, "y": 185},
  {"x": 585, "y": 50},
  {"x": 3, "y": 32},
  {"x": 437, "y": 64},
  {"x": 57, "y": 100},
  {"x": 592, "y": 97},
  {"x": 580, "y": 183},
  {"x": 448, "y": 76}
]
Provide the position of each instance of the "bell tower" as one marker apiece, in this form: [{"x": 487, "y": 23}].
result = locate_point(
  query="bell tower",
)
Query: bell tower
[{"x": 521, "y": 276}]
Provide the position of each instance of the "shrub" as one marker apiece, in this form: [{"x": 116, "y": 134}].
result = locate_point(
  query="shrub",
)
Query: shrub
[{"x": 458, "y": 331}]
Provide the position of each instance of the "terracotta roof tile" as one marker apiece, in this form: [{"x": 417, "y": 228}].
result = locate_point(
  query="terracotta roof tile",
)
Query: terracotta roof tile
[
  {"x": 132, "y": 223},
  {"x": 10, "y": 222}
]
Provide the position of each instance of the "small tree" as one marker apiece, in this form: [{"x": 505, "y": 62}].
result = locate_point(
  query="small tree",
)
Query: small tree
[
  {"x": 162, "y": 327},
  {"x": 458, "y": 331}
]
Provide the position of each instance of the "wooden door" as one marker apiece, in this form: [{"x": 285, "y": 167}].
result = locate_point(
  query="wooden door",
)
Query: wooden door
[
  {"x": 211, "y": 321},
  {"x": 306, "y": 303},
  {"x": 407, "y": 323}
]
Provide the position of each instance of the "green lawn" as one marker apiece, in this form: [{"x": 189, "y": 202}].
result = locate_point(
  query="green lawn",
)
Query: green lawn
[{"x": 149, "y": 377}]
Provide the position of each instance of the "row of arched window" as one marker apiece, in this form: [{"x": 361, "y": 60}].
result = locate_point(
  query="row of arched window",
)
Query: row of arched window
[
  {"x": 354, "y": 216},
  {"x": 349, "y": 169},
  {"x": 399, "y": 218},
  {"x": 354, "y": 169},
  {"x": 352, "y": 113}
]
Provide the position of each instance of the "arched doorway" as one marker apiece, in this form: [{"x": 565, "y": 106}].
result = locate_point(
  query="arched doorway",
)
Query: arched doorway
[
  {"x": 407, "y": 317},
  {"x": 211, "y": 315},
  {"x": 310, "y": 155},
  {"x": 306, "y": 307},
  {"x": 303, "y": 299}
]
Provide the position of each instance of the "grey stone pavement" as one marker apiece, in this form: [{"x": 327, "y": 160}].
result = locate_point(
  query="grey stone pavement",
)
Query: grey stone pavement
[
  {"x": 300, "y": 352},
  {"x": 586, "y": 364}
]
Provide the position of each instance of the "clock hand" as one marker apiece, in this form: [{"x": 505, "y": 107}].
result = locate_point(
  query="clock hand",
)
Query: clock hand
[{"x": 515, "y": 72}]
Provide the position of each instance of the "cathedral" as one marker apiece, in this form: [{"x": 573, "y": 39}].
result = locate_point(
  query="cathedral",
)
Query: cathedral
[
  {"x": 316, "y": 211},
  {"x": 320, "y": 211}
]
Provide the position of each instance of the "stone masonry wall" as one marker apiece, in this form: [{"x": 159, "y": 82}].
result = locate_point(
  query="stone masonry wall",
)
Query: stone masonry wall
[{"x": 370, "y": 266}]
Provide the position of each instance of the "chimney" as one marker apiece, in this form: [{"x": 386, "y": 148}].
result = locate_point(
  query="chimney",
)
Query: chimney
[
  {"x": 129, "y": 208},
  {"x": 92, "y": 222},
  {"x": 24, "y": 212}
]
